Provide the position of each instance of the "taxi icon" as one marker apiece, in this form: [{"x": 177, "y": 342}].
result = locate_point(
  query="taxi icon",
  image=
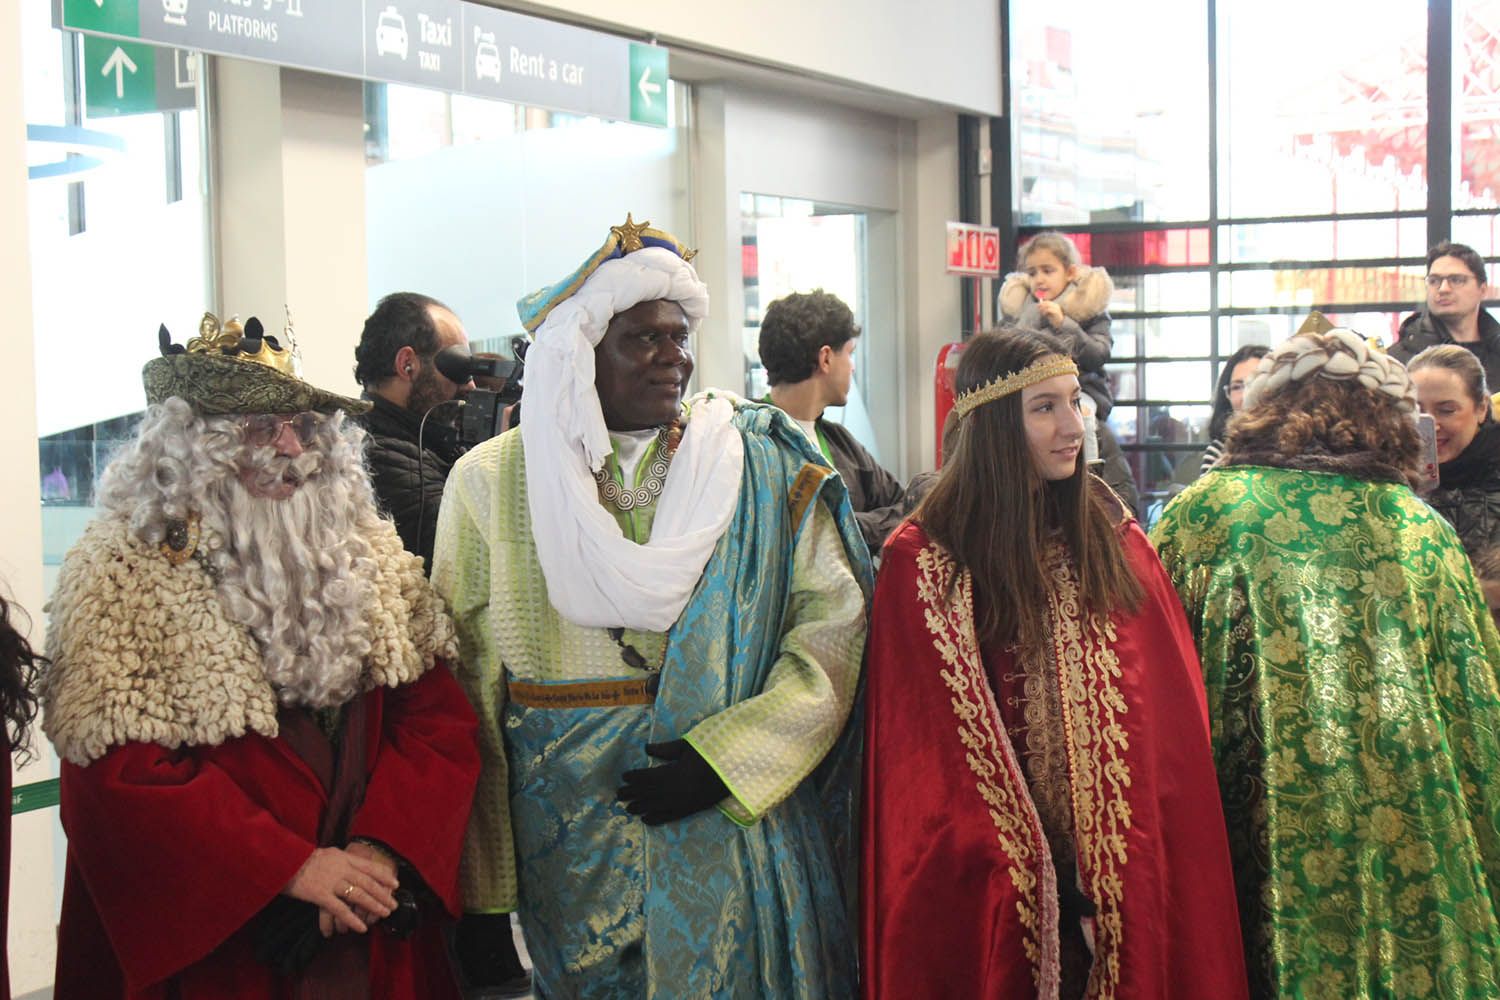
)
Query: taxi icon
[
  {"x": 487, "y": 61},
  {"x": 390, "y": 33}
]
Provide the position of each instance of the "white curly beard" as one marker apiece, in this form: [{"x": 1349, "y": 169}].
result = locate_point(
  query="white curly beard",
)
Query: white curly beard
[{"x": 298, "y": 575}]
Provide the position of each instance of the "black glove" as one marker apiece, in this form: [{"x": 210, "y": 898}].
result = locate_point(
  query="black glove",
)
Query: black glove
[
  {"x": 287, "y": 935},
  {"x": 679, "y": 788}
]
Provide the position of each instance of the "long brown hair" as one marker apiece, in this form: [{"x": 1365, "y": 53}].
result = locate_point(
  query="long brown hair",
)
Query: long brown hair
[{"x": 992, "y": 510}]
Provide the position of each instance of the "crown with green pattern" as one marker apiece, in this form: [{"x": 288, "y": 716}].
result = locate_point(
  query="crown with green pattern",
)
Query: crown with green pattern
[{"x": 229, "y": 369}]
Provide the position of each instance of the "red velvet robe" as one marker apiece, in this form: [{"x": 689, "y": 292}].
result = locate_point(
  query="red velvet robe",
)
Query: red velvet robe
[
  {"x": 959, "y": 895},
  {"x": 172, "y": 853}
]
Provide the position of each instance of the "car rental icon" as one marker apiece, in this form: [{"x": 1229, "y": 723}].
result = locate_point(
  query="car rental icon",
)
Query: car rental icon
[
  {"x": 487, "y": 61},
  {"x": 175, "y": 12},
  {"x": 390, "y": 33}
]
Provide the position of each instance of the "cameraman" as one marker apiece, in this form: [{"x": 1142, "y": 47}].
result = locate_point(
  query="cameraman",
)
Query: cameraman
[
  {"x": 396, "y": 362},
  {"x": 408, "y": 461}
]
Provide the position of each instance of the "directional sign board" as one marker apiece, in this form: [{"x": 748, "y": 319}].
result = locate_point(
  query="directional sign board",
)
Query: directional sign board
[
  {"x": 127, "y": 78},
  {"x": 311, "y": 34},
  {"x": 119, "y": 78},
  {"x": 512, "y": 57},
  {"x": 445, "y": 44},
  {"x": 648, "y": 84},
  {"x": 416, "y": 42},
  {"x": 973, "y": 250}
]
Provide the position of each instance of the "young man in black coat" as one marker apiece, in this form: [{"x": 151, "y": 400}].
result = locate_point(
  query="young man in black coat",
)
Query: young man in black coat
[{"x": 807, "y": 343}]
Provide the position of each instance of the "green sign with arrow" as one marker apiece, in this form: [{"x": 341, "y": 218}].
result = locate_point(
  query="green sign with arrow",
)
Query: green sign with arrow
[
  {"x": 648, "y": 84},
  {"x": 119, "y": 77}
]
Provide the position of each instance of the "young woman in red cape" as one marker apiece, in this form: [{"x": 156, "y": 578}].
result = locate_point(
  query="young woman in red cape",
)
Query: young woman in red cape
[{"x": 1041, "y": 815}]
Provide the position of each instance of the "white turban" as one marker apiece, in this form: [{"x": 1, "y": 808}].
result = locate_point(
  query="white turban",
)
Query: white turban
[{"x": 595, "y": 576}]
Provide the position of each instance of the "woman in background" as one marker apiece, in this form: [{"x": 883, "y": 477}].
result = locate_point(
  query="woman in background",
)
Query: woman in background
[
  {"x": 1451, "y": 388},
  {"x": 1040, "y": 816},
  {"x": 18, "y": 667},
  {"x": 1229, "y": 399}
]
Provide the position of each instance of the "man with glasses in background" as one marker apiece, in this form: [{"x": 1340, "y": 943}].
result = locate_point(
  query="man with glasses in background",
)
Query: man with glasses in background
[{"x": 1455, "y": 289}]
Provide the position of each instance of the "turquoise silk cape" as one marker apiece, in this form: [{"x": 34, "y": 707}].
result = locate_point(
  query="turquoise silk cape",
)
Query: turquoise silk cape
[{"x": 749, "y": 900}]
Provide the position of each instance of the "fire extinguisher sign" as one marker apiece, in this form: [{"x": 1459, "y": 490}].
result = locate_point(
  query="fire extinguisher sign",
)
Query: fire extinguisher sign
[{"x": 973, "y": 250}]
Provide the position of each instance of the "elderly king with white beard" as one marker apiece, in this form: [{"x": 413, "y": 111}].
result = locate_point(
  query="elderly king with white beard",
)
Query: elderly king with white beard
[{"x": 267, "y": 765}]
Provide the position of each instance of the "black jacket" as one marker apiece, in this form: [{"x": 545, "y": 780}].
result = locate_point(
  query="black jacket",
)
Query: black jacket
[
  {"x": 874, "y": 493},
  {"x": 1468, "y": 492},
  {"x": 1420, "y": 331},
  {"x": 408, "y": 483}
]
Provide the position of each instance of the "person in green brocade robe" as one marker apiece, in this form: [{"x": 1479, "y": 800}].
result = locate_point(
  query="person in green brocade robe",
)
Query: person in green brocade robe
[{"x": 1350, "y": 665}]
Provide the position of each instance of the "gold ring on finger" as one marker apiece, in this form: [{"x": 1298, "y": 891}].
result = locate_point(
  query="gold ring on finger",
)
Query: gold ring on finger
[{"x": 348, "y": 892}]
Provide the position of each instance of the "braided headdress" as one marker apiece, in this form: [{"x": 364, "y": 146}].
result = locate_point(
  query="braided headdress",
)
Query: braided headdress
[{"x": 1338, "y": 354}]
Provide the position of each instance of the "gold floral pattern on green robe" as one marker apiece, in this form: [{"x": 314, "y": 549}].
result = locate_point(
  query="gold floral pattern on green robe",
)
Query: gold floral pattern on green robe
[{"x": 1350, "y": 665}]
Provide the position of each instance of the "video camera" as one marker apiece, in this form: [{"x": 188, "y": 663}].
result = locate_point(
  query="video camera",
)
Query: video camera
[{"x": 484, "y": 408}]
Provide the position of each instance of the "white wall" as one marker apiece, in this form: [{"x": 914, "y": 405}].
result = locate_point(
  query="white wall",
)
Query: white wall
[
  {"x": 943, "y": 51},
  {"x": 934, "y": 313},
  {"x": 32, "y": 900},
  {"x": 291, "y": 209}
]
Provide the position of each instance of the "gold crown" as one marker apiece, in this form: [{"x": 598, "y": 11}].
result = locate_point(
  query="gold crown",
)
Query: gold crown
[
  {"x": 1039, "y": 371},
  {"x": 229, "y": 339}
]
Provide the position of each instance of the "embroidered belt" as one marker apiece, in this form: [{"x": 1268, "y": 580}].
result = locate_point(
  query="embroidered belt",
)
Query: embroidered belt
[{"x": 589, "y": 694}]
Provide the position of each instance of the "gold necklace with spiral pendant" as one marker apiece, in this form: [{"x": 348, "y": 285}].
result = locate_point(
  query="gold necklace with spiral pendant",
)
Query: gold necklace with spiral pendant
[{"x": 624, "y": 500}]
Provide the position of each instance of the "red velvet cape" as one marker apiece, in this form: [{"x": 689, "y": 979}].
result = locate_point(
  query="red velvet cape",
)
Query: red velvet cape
[
  {"x": 958, "y": 894},
  {"x": 172, "y": 852}
]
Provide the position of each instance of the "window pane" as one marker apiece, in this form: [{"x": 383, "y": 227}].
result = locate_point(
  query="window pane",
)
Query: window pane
[
  {"x": 1482, "y": 232},
  {"x": 1309, "y": 128},
  {"x": 1314, "y": 287},
  {"x": 1141, "y": 248},
  {"x": 1161, "y": 336},
  {"x": 1093, "y": 150},
  {"x": 1184, "y": 292},
  {"x": 1479, "y": 112},
  {"x": 1162, "y": 380},
  {"x": 1164, "y": 424},
  {"x": 1239, "y": 331},
  {"x": 1352, "y": 239},
  {"x": 1266, "y": 331}
]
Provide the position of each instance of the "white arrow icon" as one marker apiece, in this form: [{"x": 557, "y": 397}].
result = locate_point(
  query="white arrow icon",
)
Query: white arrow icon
[
  {"x": 117, "y": 63},
  {"x": 647, "y": 88}
]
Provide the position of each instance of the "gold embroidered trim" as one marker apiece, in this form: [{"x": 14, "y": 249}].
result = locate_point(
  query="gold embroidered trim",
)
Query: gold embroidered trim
[
  {"x": 1087, "y": 668},
  {"x": 1046, "y": 750},
  {"x": 587, "y": 694},
  {"x": 992, "y": 760},
  {"x": 805, "y": 488}
]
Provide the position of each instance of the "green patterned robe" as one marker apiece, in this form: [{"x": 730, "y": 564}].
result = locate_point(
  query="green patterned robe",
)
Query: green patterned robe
[{"x": 1350, "y": 664}]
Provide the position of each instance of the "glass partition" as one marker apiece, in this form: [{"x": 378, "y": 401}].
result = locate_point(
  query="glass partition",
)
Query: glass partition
[
  {"x": 118, "y": 209},
  {"x": 479, "y": 202},
  {"x": 793, "y": 245}
]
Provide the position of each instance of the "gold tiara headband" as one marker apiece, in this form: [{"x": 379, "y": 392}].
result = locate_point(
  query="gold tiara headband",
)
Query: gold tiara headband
[{"x": 1038, "y": 371}]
